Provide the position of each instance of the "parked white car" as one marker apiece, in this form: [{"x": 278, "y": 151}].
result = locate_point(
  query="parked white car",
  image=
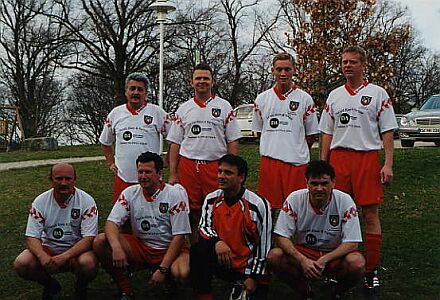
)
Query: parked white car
[{"x": 244, "y": 118}]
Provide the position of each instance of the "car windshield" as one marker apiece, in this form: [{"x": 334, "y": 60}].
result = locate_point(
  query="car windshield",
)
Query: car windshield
[
  {"x": 243, "y": 112},
  {"x": 431, "y": 103}
]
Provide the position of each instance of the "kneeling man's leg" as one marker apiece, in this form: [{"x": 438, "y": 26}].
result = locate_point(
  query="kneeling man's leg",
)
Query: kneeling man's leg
[
  {"x": 288, "y": 270},
  {"x": 28, "y": 266}
]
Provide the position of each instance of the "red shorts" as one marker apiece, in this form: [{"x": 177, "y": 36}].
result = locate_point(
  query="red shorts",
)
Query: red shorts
[
  {"x": 278, "y": 179},
  {"x": 358, "y": 174},
  {"x": 118, "y": 186},
  {"x": 332, "y": 267},
  {"x": 199, "y": 178},
  {"x": 144, "y": 256}
]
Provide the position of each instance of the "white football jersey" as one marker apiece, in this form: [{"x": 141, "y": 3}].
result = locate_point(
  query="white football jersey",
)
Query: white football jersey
[
  {"x": 134, "y": 132},
  {"x": 322, "y": 230},
  {"x": 156, "y": 219},
  {"x": 204, "y": 132},
  {"x": 61, "y": 225},
  {"x": 355, "y": 117},
  {"x": 284, "y": 122}
]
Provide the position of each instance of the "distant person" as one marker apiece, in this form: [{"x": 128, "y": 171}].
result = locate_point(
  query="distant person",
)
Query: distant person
[
  {"x": 204, "y": 130},
  {"x": 235, "y": 235},
  {"x": 318, "y": 233},
  {"x": 354, "y": 117},
  {"x": 158, "y": 214},
  {"x": 134, "y": 128},
  {"x": 286, "y": 117},
  {"x": 62, "y": 224}
]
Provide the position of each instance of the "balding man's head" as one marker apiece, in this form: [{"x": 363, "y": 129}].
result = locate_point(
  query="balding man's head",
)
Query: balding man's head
[{"x": 63, "y": 179}]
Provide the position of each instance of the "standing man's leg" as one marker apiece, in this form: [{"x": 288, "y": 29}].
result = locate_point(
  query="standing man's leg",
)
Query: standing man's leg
[{"x": 373, "y": 245}]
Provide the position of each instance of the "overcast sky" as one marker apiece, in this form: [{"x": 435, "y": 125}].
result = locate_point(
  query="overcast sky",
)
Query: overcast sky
[{"x": 426, "y": 15}]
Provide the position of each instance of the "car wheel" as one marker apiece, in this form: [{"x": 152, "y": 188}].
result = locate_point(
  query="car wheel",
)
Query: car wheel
[{"x": 406, "y": 143}]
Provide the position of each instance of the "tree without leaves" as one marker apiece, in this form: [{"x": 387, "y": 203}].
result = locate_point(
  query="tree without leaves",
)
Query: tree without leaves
[
  {"x": 89, "y": 102},
  {"x": 113, "y": 39},
  {"x": 32, "y": 47}
]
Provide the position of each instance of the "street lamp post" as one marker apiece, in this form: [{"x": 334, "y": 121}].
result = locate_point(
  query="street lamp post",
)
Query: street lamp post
[{"x": 162, "y": 8}]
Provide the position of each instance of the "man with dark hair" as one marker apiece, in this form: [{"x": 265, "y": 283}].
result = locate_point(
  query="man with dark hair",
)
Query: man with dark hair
[
  {"x": 62, "y": 224},
  {"x": 158, "y": 214},
  {"x": 286, "y": 118},
  {"x": 354, "y": 117},
  {"x": 235, "y": 234},
  {"x": 324, "y": 225},
  {"x": 204, "y": 130},
  {"x": 134, "y": 128}
]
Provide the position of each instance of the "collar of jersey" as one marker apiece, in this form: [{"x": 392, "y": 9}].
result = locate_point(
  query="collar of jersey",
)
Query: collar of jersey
[
  {"x": 235, "y": 199},
  {"x": 60, "y": 203},
  {"x": 320, "y": 211},
  {"x": 135, "y": 111},
  {"x": 155, "y": 194},
  {"x": 354, "y": 92},
  {"x": 284, "y": 96},
  {"x": 202, "y": 104}
]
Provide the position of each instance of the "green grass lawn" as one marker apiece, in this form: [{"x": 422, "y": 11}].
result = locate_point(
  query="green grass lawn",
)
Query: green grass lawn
[
  {"x": 63, "y": 152},
  {"x": 410, "y": 220}
]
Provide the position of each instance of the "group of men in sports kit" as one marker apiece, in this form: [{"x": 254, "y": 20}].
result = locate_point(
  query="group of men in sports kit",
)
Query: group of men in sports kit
[{"x": 204, "y": 222}]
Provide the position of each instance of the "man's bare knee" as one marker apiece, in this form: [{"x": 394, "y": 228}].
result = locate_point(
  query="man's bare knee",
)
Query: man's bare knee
[{"x": 274, "y": 256}]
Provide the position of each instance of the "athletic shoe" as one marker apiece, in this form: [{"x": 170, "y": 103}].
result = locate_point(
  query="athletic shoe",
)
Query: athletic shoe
[
  {"x": 238, "y": 292},
  {"x": 125, "y": 296},
  {"x": 371, "y": 283},
  {"x": 51, "y": 289},
  {"x": 336, "y": 296}
]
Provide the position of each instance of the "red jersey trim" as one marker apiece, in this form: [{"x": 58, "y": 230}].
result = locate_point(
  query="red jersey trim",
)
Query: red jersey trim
[
  {"x": 135, "y": 112},
  {"x": 354, "y": 92},
  {"x": 60, "y": 203},
  {"x": 283, "y": 96},
  {"x": 154, "y": 196},
  {"x": 203, "y": 104}
]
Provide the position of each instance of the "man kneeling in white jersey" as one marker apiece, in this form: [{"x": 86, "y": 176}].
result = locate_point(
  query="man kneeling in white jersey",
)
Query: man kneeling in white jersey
[
  {"x": 325, "y": 226},
  {"x": 62, "y": 224},
  {"x": 158, "y": 214}
]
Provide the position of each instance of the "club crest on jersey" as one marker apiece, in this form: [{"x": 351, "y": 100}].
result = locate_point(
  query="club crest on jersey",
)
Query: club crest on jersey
[
  {"x": 74, "y": 213},
  {"x": 365, "y": 100},
  {"x": 163, "y": 207},
  {"x": 57, "y": 233},
  {"x": 334, "y": 220},
  {"x": 293, "y": 106},
  {"x": 148, "y": 120},
  {"x": 216, "y": 112}
]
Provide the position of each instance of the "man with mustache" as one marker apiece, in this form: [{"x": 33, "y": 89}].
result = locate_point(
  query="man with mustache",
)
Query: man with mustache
[
  {"x": 62, "y": 224},
  {"x": 354, "y": 117},
  {"x": 204, "y": 130},
  {"x": 286, "y": 117},
  {"x": 235, "y": 235},
  {"x": 134, "y": 128},
  {"x": 324, "y": 225},
  {"x": 158, "y": 214}
]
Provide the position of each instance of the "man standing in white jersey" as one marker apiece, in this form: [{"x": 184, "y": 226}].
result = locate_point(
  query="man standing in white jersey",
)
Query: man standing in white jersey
[
  {"x": 134, "y": 128},
  {"x": 352, "y": 118},
  {"x": 203, "y": 131},
  {"x": 286, "y": 118},
  {"x": 324, "y": 225},
  {"x": 158, "y": 214},
  {"x": 62, "y": 224}
]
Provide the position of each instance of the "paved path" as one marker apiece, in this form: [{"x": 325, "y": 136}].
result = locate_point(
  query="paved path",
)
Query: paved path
[{"x": 44, "y": 162}]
